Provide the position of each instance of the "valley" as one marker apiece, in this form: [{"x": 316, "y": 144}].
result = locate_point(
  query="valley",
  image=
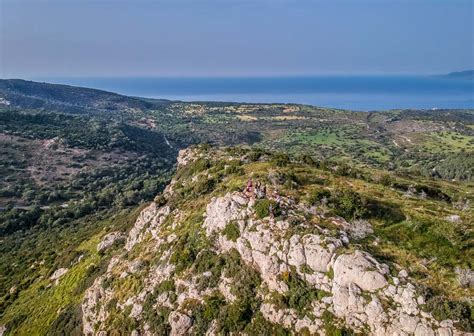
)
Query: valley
[{"x": 79, "y": 164}]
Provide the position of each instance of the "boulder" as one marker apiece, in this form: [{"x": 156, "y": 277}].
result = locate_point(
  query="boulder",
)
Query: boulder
[
  {"x": 58, "y": 274},
  {"x": 361, "y": 269},
  {"x": 319, "y": 251}
]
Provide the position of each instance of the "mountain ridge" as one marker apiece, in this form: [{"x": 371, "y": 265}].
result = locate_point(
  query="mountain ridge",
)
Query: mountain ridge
[{"x": 294, "y": 268}]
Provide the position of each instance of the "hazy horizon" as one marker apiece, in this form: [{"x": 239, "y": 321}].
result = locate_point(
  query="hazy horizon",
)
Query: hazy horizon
[{"x": 242, "y": 75}]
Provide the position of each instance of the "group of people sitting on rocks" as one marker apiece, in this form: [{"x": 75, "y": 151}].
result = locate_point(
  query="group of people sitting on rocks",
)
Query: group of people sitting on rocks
[{"x": 258, "y": 191}]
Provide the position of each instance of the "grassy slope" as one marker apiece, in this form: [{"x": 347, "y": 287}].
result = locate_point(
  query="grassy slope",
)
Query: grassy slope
[{"x": 42, "y": 303}]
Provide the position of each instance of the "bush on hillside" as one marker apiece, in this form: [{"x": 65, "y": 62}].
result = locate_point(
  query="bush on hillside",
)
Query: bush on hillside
[{"x": 264, "y": 207}]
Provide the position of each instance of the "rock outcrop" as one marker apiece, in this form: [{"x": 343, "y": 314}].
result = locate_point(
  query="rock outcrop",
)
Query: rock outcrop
[
  {"x": 158, "y": 277},
  {"x": 109, "y": 240}
]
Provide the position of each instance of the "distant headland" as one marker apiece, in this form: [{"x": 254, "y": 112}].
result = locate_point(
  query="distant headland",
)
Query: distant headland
[{"x": 465, "y": 74}]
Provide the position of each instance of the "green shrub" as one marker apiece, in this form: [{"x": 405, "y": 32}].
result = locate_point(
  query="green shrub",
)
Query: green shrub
[
  {"x": 318, "y": 195},
  {"x": 203, "y": 185},
  {"x": 254, "y": 155},
  {"x": 262, "y": 208},
  {"x": 231, "y": 231},
  {"x": 68, "y": 322},
  {"x": 160, "y": 200},
  {"x": 330, "y": 273},
  {"x": 281, "y": 159},
  {"x": 165, "y": 286},
  {"x": 204, "y": 314},
  {"x": 306, "y": 269},
  {"x": 234, "y": 317},
  {"x": 348, "y": 204},
  {"x": 330, "y": 327},
  {"x": 185, "y": 252},
  {"x": 444, "y": 309},
  {"x": 232, "y": 262},
  {"x": 300, "y": 294},
  {"x": 245, "y": 285},
  {"x": 307, "y": 160},
  {"x": 208, "y": 261},
  {"x": 121, "y": 322},
  {"x": 389, "y": 212},
  {"x": 234, "y": 168},
  {"x": 262, "y": 327},
  {"x": 193, "y": 168},
  {"x": 386, "y": 180}
]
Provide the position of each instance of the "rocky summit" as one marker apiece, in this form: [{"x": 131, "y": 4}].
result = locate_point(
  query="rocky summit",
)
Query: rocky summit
[{"x": 237, "y": 244}]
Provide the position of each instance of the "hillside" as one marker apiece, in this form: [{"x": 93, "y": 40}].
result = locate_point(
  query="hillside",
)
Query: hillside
[
  {"x": 325, "y": 250},
  {"x": 415, "y": 141},
  {"x": 65, "y": 98},
  {"x": 79, "y": 166}
]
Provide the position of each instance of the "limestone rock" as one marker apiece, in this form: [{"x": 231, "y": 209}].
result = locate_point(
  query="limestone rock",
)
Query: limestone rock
[
  {"x": 186, "y": 156},
  {"x": 109, "y": 240},
  {"x": 222, "y": 210},
  {"x": 361, "y": 269},
  {"x": 58, "y": 274},
  {"x": 465, "y": 277},
  {"x": 180, "y": 323}
]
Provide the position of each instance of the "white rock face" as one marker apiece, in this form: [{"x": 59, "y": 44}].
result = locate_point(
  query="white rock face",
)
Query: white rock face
[
  {"x": 180, "y": 323},
  {"x": 91, "y": 312},
  {"x": 221, "y": 211},
  {"x": 319, "y": 251},
  {"x": 360, "y": 269},
  {"x": 359, "y": 285},
  {"x": 150, "y": 218},
  {"x": 109, "y": 240},
  {"x": 186, "y": 156}
]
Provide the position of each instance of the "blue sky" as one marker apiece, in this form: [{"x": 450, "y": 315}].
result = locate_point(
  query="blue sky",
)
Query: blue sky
[{"x": 233, "y": 37}]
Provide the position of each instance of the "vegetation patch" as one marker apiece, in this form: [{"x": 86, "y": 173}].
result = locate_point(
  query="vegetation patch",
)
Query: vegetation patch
[
  {"x": 265, "y": 207},
  {"x": 231, "y": 231}
]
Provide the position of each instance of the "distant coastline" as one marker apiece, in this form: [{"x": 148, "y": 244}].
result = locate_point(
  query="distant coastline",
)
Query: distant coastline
[{"x": 363, "y": 93}]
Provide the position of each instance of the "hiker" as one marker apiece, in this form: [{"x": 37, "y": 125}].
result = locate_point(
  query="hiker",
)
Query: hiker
[
  {"x": 261, "y": 191},
  {"x": 249, "y": 185},
  {"x": 257, "y": 189},
  {"x": 276, "y": 196},
  {"x": 248, "y": 188}
]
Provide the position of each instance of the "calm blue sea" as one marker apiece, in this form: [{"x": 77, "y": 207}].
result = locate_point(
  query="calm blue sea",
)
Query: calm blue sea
[{"x": 347, "y": 92}]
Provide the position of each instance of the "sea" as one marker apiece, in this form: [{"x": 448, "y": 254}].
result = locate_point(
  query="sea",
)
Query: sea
[{"x": 360, "y": 93}]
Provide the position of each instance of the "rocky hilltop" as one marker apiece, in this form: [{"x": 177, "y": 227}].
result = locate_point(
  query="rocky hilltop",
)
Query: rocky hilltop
[{"x": 211, "y": 257}]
